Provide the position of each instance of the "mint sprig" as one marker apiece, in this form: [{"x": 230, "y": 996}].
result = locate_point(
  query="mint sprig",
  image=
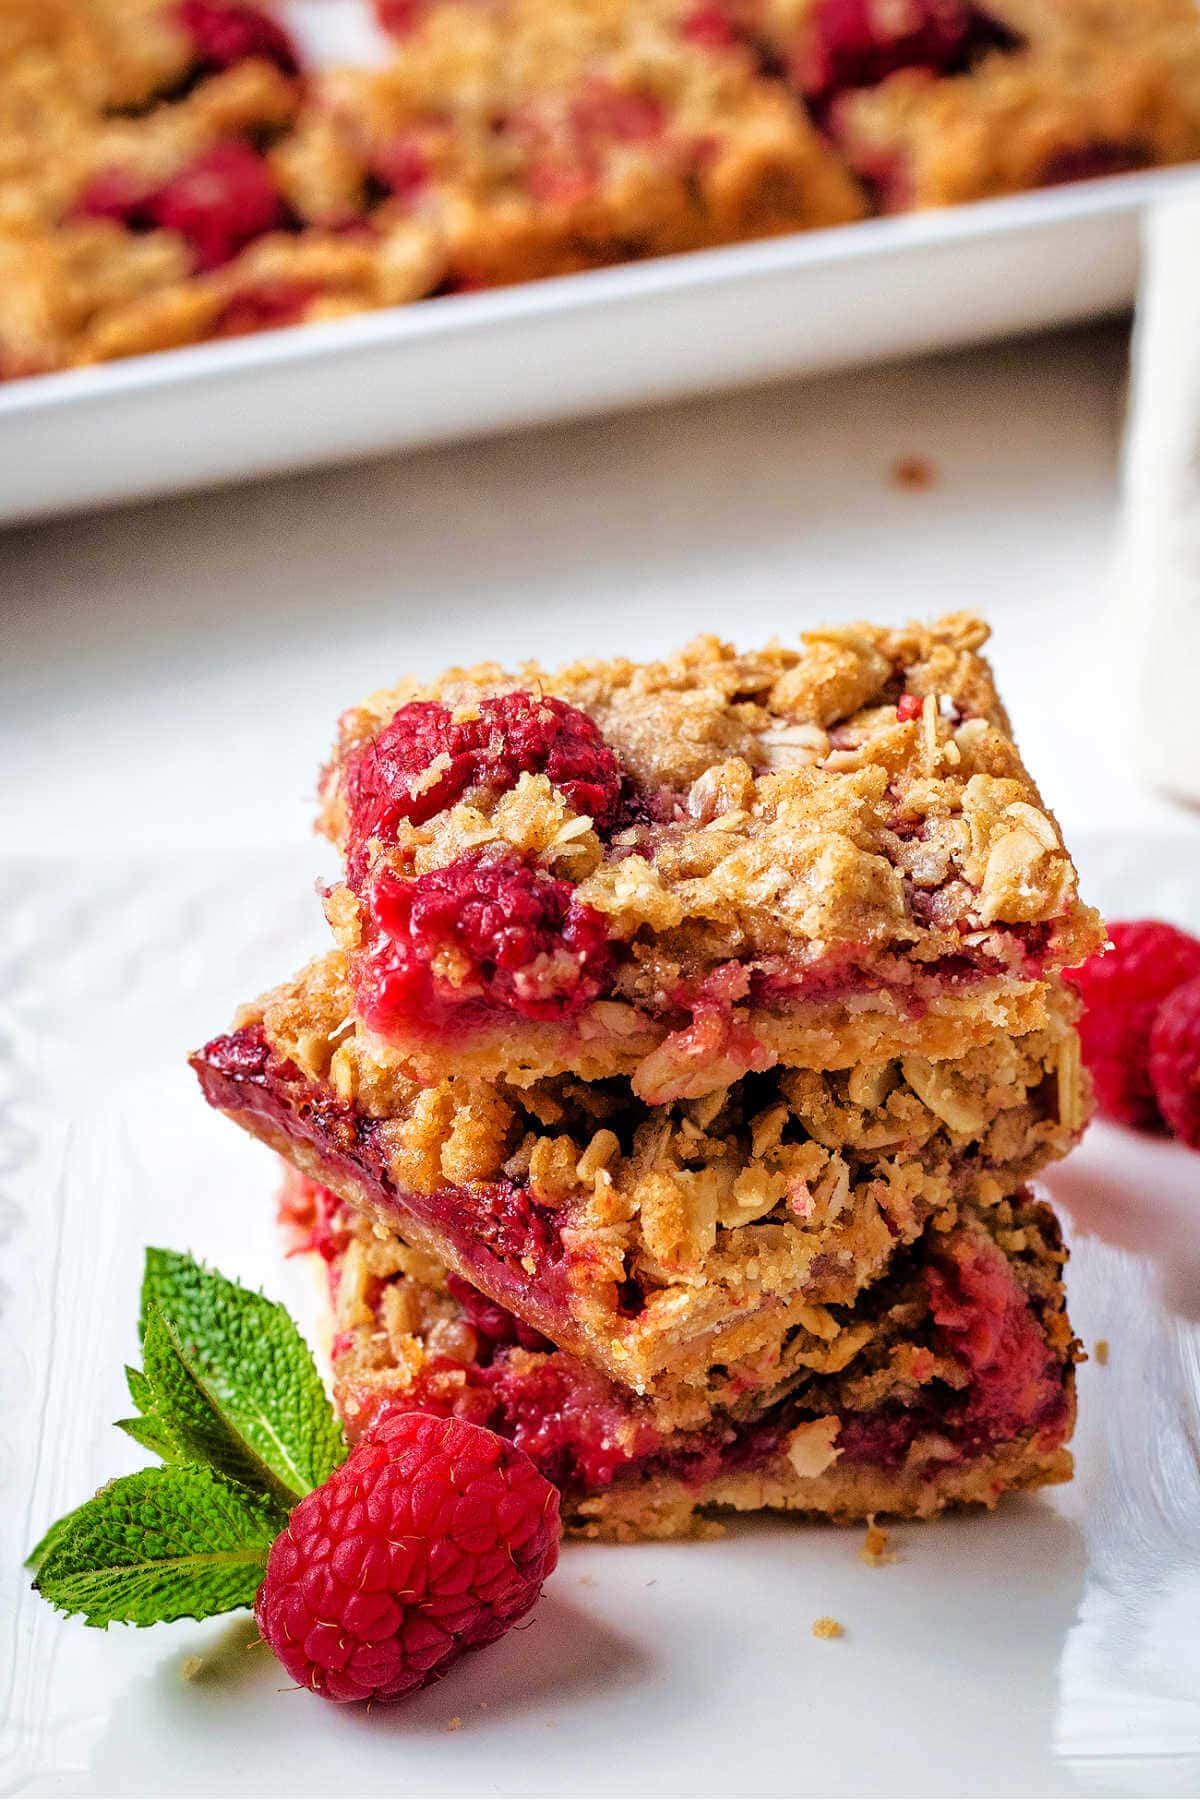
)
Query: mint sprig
[{"x": 230, "y": 1399}]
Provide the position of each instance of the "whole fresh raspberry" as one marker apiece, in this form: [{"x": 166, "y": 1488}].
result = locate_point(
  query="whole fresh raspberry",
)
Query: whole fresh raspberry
[
  {"x": 858, "y": 43},
  {"x": 426, "y": 758},
  {"x": 433, "y": 1537},
  {"x": 1175, "y": 1062},
  {"x": 225, "y": 32},
  {"x": 482, "y": 929},
  {"x": 219, "y": 201},
  {"x": 1122, "y": 991}
]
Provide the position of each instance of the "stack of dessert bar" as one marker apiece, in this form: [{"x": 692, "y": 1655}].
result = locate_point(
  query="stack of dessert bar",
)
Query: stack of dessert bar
[{"x": 670, "y": 1098}]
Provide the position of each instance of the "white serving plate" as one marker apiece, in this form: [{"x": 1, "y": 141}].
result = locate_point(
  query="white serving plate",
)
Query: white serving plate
[
  {"x": 644, "y": 332},
  {"x": 1048, "y": 1649}
]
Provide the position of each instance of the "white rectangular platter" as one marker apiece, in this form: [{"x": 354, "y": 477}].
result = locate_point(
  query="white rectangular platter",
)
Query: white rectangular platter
[
  {"x": 478, "y": 363},
  {"x": 1048, "y": 1649}
]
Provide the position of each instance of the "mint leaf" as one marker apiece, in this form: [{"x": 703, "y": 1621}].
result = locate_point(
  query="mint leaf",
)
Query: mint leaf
[
  {"x": 55, "y": 1535},
  {"x": 152, "y": 1436},
  {"x": 148, "y": 1431},
  {"x": 186, "y": 1419},
  {"x": 140, "y": 1391},
  {"x": 173, "y": 1543},
  {"x": 252, "y": 1398}
]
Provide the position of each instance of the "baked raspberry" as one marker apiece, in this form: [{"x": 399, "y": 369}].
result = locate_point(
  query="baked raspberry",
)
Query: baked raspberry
[
  {"x": 1013, "y": 1384},
  {"x": 859, "y": 43},
  {"x": 1175, "y": 1062},
  {"x": 708, "y": 25},
  {"x": 219, "y": 202},
  {"x": 1089, "y": 162},
  {"x": 433, "y": 1538},
  {"x": 400, "y": 16},
  {"x": 908, "y": 707},
  {"x": 606, "y": 114},
  {"x": 483, "y": 929},
  {"x": 425, "y": 759},
  {"x": 569, "y": 1420},
  {"x": 116, "y": 194},
  {"x": 403, "y": 166},
  {"x": 1122, "y": 991},
  {"x": 511, "y": 1223},
  {"x": 493, "y": 1324},
  {"x": 264, "y": 306},
  {"x": 242, "y": 1054},
  {"x": 225, "y": 32},
  {"x": 563, "y": 156},
  {"x": 311, "y": 1217},
  {"x": 983, "y": 1316}
]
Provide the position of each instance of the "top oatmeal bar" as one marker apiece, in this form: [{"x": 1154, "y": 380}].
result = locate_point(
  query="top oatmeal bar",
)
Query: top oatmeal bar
[{"x": 688, "y": 870}]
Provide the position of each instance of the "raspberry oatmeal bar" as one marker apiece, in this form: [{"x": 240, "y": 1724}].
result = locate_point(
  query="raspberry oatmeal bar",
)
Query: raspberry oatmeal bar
[
  {"x": 686, "y": 871},
  {"x": 691, "y": 1250},
  {"x": 170, "y": 170},
  {"x": 955, "y": 1384},
  {"x": 670, "y": 1097}
]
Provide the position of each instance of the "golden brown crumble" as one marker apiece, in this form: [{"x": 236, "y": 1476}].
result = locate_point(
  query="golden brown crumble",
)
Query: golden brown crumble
[
  {"x": 1092, "y": 78},
  {"x": 1100, "y": 1352},
  {"x": 825, "y": 1627},
  {"x": 513, "y": 139},
  {"x": 876, "y": 1549}
]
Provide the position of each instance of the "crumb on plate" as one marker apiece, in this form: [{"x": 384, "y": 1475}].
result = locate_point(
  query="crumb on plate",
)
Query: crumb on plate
[
  {"x": 825, "y": 1627},
  {"x": 876, "y": 1550}
]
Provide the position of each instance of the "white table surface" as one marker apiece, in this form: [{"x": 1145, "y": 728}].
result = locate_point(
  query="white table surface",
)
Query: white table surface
[{"x": 173, "y": 672}]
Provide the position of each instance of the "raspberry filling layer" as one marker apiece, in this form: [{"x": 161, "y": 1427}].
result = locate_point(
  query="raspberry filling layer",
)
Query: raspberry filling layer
[
  {"x": 451, "y": 953},
  {"x": 483, "y": 933},
  {"x": 585, "y": 1434},
  {"x": 983, "y": 1318},
  {"x": 497, "y": 1229},
  {"x": 427, "y": 757}
]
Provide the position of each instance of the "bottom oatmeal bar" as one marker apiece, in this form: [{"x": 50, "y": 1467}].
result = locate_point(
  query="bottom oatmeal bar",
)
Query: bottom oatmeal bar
[{"x": 958, "y": 1388}]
